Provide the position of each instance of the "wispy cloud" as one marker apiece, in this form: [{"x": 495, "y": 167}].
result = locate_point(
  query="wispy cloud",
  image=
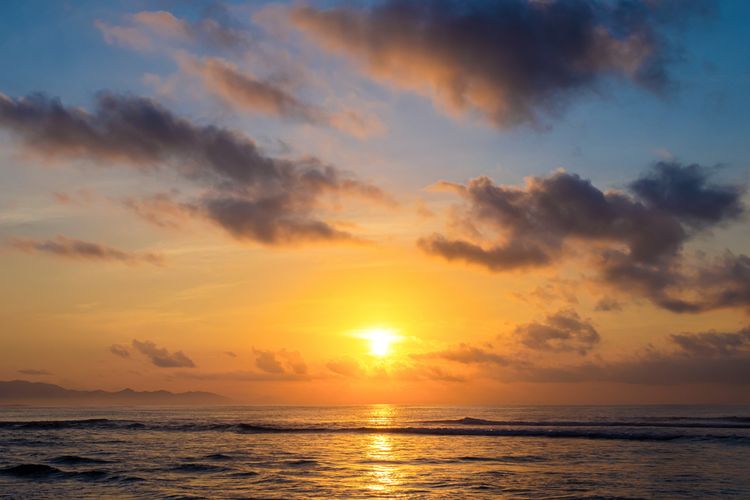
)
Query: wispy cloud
[
  {"x": 146, "y": 30},
  {"x": 62, "y": 246},
  {"x": 245, "y": 91},
  {"x": 34, "y": 372},
  {"x": 468, "y": 354}
]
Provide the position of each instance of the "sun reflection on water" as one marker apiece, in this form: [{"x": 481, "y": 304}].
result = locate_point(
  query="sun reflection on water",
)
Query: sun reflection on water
[
  {"x": 383, "y": 475},
  {"x": 381, "y": 415}
]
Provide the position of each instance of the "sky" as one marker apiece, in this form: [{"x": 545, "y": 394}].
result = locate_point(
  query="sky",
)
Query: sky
[{"x": 433, "y": 202}]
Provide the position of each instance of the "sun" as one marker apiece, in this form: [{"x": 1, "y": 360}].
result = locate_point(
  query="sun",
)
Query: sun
[{"x": 380, "y": 340}]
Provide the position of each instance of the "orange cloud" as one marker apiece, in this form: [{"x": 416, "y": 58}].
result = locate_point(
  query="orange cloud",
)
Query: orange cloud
[{"x": 244, "y": 90}]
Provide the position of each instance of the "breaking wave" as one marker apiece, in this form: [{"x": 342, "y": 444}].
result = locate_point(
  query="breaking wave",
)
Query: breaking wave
[{"x": 636, "y": 430}]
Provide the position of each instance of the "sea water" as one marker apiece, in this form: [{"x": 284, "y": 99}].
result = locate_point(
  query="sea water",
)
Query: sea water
[{"x": 379, "y": 451}]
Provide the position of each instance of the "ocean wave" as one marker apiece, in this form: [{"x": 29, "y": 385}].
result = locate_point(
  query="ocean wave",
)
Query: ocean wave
[
  {"x": 304, "y": 462},
  {"x": 503, "y": 459},
  {"x": 31, "y": 470},
  {"x": 198, "y": 467},
  {"x": 468, "y": 426},
  {"x": 43, "y": 471},
  {"x": 710, "y": 423},
  {"x": 218, "y": 457},
  {"x": 549, "y": 433},
  {"x": 727, "y": 418},
  {"x": 54, "y": 424},
  {"x": 75, "y": 459}
]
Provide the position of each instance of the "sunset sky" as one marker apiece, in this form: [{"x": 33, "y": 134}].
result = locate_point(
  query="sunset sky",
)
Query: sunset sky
[{"x": 328, "y": 202}]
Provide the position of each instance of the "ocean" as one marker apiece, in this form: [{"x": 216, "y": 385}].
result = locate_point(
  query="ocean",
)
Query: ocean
[{"x": 379, "y": 451}]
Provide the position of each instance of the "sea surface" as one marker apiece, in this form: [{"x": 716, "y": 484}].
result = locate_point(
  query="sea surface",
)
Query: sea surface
[{"x": 377, "y": 451}]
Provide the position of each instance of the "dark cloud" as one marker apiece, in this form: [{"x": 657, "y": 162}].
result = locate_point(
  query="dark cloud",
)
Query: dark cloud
[
  {"x": 34, "y": 372},
  {"x": 607, "y": 304},
  {"x": 666, "y": 370},
  {"x": 699, "y": 358},
  {"x": 721, "y": 283},
  {"x": 714, "y": 344},
  {"x": 689, "y": 358},
  {"x": 70, "y": 248},
  {"x": 119, "y": 350},
  {"x": 637, "y": 236},
  {"x": 251, "y": 195},
  {"x": 685, "y": 191},
  {"x": 513, "y": 255},
  {"x": 266, "y": 220},
  {"x": 560, "y": 332},
  {"x": 725, "y": 283},
  {"x": 161, "y": 357},
  {"x": 512, "y": 61}
]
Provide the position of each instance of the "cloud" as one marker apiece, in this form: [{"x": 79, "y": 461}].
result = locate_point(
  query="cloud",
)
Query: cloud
[
  {"x": 714, "y": 344},
  {"x": 345, "y": 367},
  {"x": 699, "y": 358},
  {"x": 119, "y": 350},
  {"x": 685, "y": 191},
  {"x": 513, "y": 255},
  {"x": 162, "y": 358},
  {"x": 429, "y": 372},
  {"x": 161, "y": 209},
  {"x": 688, "y": 358},
  {"x": 724, "y": 283},
  {"x": 251, "y": 195},
  {"x": 266, "y": 361},
  {"x": 560, "y": 332},
  {"x": 271, "y": 97},
  {"x": 243, "y": 376},
  {"x": 70, "y": 248},
  {"x": 512, "y": 62},
  {"x": 637, "y": 236},
  {"x": 147, "y": 29},
  {"x": 244, "y": 90},
  {"x": 606, "y": 304},
  {"x": 468, "y": 354},
  {"x": 129, "y": 36},
  {"x": 32, "y": 371},
  {"x": 666, "y": 370},
  {"x": 280, "y": 362}
]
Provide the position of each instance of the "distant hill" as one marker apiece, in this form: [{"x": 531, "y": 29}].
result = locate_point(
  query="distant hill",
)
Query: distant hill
[{"x": 22, "y": 391}]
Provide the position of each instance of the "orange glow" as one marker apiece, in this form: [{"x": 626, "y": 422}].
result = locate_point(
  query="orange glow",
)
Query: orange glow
[{"x": 380, "y": 340}]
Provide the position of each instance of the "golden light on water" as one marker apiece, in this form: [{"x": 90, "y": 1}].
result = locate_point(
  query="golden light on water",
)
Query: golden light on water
[{"x": 383, "y": 476}]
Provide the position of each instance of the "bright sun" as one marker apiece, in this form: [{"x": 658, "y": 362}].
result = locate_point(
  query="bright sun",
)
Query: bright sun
[{"x": 380, "y": 340}]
